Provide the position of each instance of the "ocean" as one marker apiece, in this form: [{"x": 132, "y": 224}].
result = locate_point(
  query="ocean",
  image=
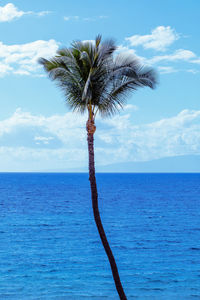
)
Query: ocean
[{"x": 50, "y": 248}]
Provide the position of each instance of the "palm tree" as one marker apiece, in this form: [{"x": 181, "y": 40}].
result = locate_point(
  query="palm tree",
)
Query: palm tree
[{"x": 96, "y": 80}]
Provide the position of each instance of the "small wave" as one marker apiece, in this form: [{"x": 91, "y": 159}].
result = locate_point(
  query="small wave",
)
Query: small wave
[
  {"x": 194, "y": 248},
  {"x": 155, "y": 281},
  {"x": 151, "y": 289}
]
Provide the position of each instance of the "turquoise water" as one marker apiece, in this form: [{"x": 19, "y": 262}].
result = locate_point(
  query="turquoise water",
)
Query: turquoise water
[{"x": 50, "y": 248}]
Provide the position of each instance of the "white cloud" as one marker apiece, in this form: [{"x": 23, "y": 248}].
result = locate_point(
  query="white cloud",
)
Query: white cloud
[
  {"x": 60, "y": 141},
  {"x": 180, "y": 54},
  {"x": 127, "y": 51},
  {"x": 89, "y": 41},
  {"x": 63, "y": 127},
  {"x": 179, "y": 135},
  {"x": 124, "y": 142},
  {"x": 124, "y": 49},
  {"x": 10, "y": 12},
  {"x": 166, "y": 70},
  {"x": 32, "y": 142},
  {"x": 160, "y": 38},
  {"x": 22, "y": 59}
]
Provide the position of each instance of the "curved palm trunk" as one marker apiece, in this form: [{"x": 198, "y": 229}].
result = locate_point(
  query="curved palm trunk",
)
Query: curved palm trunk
[{"x": 97, "y": 217}]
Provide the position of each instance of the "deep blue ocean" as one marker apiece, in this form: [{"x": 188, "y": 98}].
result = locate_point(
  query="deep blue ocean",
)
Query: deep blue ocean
[{"x": 50, "y": 248}]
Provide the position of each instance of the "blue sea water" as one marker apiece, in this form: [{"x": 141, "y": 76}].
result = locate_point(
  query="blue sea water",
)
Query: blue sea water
[{"x": 50, "y": 248}]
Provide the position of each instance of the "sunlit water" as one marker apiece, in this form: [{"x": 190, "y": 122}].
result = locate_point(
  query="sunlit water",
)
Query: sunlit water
[{"x": 50, "y": 249}]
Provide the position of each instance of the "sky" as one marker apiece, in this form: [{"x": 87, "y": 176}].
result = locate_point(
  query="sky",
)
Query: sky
[{"x": 39, "y": 133}]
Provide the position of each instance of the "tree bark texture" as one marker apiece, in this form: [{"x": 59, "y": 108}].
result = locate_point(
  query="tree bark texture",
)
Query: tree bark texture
[{"x": 97, "y": 217}]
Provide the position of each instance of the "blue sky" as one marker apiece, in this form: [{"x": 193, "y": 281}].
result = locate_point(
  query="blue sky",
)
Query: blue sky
[{"x": 37, "y": 132}]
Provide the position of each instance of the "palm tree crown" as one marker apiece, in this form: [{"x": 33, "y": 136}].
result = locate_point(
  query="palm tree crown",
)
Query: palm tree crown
[{"x": 95, "y": 79}]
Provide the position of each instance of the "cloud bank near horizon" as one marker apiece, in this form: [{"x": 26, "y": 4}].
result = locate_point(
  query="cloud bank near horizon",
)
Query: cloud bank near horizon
[{"x": 30, "y": 142}]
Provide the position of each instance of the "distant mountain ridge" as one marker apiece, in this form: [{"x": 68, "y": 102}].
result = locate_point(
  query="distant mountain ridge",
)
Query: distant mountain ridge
[
  {"x": 174, "y": 164},
  {"x": 185, "y": 163}
]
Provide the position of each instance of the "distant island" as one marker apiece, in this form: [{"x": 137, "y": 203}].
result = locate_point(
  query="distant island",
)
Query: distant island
[
  {"x": 173, "y": 164},
  {"x": 186, "y": 163}
]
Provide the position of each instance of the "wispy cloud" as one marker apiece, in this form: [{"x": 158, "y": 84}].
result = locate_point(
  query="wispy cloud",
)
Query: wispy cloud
[
  {"x": 42, "y": 13},
  {"x": 193, "y": 71},
  {"x": 22, "y": 59},
  {"x": 86, "y": 19},
  {"x": 130, "y": 107},
  {"x": 72, "y": 18},
  {"x": 196, "y": 61},
  {"x": 167, "y": 70},
  {"x": 160, "y": 38},
  {"x": 10, "y": 12},
  {"x": 43, "y": 139}
]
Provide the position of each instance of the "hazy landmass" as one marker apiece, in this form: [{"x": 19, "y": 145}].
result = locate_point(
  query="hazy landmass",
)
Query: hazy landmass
[{"x": 186, "y": 163}]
